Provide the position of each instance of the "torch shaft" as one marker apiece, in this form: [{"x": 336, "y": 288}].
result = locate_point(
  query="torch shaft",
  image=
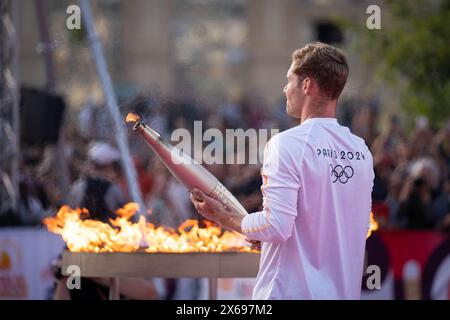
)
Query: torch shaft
[{"x": 187, "y": 170}]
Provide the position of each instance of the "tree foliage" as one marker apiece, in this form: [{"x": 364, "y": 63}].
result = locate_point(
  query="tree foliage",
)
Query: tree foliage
[{"x": 411, "y": 52}]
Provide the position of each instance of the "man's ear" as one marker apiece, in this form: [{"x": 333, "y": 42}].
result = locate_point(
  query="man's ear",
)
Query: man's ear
[{"x": 306, "y": 85}]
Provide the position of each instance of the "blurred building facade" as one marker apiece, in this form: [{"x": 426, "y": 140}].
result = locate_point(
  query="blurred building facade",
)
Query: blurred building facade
[{"x": 214, "y": 48}]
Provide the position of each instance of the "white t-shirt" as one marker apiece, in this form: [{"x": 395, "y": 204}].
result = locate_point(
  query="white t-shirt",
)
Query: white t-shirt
[{"x": 317, "y": 183}]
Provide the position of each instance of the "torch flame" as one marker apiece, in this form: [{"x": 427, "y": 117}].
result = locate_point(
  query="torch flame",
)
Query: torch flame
[
  {"x": 132, "y": 117},
  {"x": 86, "y": 235},
  {"x": 373, "y": 225}
]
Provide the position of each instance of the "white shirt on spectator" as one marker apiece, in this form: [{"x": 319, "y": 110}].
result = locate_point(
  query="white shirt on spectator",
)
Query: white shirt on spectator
[{"x": 317, "y": 183}]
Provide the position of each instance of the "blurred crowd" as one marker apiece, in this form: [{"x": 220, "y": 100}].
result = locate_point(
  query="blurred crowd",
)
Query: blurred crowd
[
  {"x": 412, "y": 177},
  {"x": 412, "y": 167}
]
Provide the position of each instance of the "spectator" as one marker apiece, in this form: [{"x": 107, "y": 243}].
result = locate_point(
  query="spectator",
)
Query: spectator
[
  {"x": 441, "y": 208},
  {"x": 98, "y": 191},
  {"x": 393, "y": 196},
  {"x": 415, "y": 210}
]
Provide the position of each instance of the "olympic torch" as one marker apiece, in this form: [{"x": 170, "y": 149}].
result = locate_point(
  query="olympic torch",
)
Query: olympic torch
[{"x": 184, "y": 168}]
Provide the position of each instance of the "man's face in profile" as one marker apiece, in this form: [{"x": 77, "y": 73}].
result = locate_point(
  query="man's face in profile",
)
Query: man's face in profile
[{"x": 294, "y": 96}]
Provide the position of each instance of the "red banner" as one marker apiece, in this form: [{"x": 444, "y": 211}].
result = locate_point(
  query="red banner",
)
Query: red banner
[{"x": 413, "y": 264}]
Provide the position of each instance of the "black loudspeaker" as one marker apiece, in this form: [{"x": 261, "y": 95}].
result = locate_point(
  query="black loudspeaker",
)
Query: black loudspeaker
[{"x": 41, "y": 116}]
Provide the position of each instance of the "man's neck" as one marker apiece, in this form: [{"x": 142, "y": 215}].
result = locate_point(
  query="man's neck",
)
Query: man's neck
[{"x": 324, "y": 109}]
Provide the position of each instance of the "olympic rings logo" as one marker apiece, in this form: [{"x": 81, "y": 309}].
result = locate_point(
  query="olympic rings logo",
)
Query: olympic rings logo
[{"x": 343, "y": 174}]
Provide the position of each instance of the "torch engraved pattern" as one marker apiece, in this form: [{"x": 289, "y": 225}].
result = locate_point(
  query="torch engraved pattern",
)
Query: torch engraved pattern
[
  {"x": 187, "y": 170},
  {"x": 224, "y": 196}
]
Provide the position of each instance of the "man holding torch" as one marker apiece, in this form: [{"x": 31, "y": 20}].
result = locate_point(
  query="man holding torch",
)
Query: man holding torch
[{"x": 317, "y": 183}]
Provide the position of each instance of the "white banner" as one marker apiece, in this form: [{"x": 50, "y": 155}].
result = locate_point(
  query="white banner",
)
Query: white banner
[{"x": 25, "y": 258}]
